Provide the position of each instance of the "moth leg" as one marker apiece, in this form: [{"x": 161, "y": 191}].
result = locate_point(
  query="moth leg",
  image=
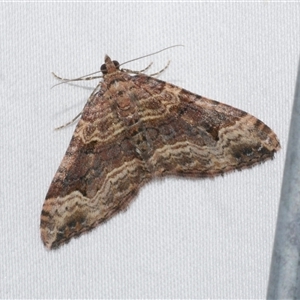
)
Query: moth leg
[
  {"x": 162, "y": 70},
  {"x": 69, "y": 123},
  {"x": 137, "y": 72}
]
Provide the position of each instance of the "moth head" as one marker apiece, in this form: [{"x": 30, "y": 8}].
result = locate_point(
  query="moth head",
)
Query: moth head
[{"x": 109, "y": 66}]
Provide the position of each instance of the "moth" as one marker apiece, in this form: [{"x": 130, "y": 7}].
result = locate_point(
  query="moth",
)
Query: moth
[{"x": 134, "y": 128}]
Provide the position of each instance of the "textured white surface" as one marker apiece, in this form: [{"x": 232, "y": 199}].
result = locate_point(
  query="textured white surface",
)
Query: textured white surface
[{"x": 180, "y": 238}]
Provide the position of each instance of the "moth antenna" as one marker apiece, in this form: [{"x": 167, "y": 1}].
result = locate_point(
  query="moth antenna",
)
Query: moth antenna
[
  {"x": 151, "y": 54},
  {"x": 85, "y": 77}
]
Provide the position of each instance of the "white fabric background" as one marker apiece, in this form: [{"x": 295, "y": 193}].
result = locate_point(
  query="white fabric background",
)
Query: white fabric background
[{"x": 180, "y": 238}]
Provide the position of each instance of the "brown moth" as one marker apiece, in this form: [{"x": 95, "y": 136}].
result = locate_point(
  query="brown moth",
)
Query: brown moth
[{"x": 134, "y": 128}]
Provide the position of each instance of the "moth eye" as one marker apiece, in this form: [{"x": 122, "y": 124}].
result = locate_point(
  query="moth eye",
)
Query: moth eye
[
  {"x": 103, "y": 69},
  {"x": 116, "y": 64}
]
